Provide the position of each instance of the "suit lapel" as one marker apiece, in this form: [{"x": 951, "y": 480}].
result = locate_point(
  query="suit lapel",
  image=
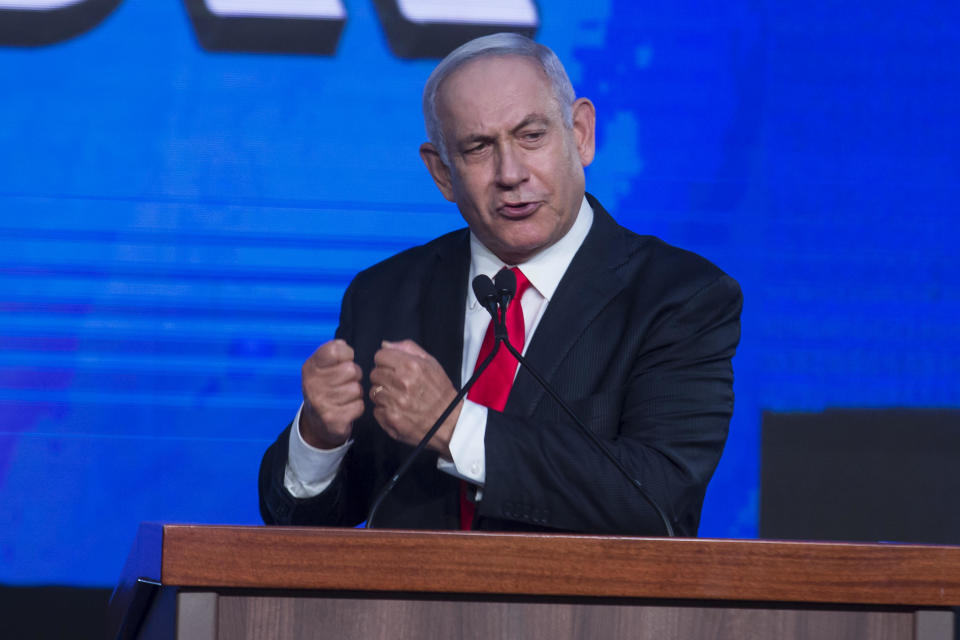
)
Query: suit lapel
[
  {"x": 590, "y": 282},
  {"x": 442, "y": 310}
]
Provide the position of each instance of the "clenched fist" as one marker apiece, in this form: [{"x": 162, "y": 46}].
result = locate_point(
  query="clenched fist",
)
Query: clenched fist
[
  {"x": 332, "y": 395},
  {"x": 410, "y": 390}
]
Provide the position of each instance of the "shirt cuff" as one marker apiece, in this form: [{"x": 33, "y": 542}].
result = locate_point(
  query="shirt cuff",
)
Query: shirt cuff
[
  {"x": 466, "y": 445},
  {"x": 310, "y": 470}
]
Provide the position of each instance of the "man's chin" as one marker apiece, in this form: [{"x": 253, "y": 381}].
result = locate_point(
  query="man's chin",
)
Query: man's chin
[{"x": 517, "y": 252}]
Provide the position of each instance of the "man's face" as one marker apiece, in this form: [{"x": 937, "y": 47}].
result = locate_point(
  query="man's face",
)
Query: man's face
[{"x": 516, "y": 170}]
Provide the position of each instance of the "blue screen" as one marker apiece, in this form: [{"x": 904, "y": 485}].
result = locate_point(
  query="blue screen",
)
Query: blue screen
[{"x": 177, "y": 225}]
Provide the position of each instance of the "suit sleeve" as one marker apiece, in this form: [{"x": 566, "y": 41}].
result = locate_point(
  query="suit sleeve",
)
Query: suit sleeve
[
  {"x": 671, "y": 412},
  {"x": 330, "y": 507}
]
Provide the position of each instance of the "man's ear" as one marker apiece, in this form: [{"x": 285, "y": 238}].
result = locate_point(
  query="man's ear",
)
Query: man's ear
[
  {"x": 584, "y": 129},
  {"x": 438, "y": 170}
]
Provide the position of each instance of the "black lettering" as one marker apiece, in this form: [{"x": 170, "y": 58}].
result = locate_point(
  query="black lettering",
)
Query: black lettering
[
  {"x": 268, "y": 26},
  {"x": 34, "y": 23},
  {"x": 430, "y": 29}
]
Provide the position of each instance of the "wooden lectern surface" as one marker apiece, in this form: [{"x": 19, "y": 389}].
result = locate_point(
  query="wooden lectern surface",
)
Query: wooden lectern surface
[
  {"x": 555, "y": 565},
  {"x": 256, "y": 582}
]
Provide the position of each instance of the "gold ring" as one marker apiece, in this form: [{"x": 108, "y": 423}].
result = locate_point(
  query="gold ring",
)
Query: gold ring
[{"x": 377, "y": 389}]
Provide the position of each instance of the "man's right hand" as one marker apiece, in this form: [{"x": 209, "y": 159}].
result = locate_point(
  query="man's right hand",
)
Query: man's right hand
[{"x": 332, "y": 395}]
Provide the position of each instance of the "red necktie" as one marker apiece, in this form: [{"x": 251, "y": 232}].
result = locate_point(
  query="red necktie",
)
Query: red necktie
[{"x": 493, "y": 387}]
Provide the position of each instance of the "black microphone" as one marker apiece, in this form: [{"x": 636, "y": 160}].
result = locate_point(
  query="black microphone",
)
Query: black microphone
[
  {"x": 506, "y": 285},
  {"x": 486, "y": 293},
  {"x": 505, "y": 282},
  {"x": 484, "y": 290}
]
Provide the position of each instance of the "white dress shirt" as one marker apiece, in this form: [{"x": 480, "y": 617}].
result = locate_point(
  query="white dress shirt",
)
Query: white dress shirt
[{"x": 310, "y": 470}]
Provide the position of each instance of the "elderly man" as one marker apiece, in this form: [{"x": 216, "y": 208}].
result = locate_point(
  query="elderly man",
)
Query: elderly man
[{"x": 636, "y": 335}]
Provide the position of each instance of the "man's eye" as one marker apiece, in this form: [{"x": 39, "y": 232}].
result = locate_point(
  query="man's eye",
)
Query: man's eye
[
  {"x": 477, "y": 148},
  {"x": 533, "y": 136}
]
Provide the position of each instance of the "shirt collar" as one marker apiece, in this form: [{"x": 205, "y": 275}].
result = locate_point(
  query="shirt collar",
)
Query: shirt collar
[{"x": 545, "y": 269}]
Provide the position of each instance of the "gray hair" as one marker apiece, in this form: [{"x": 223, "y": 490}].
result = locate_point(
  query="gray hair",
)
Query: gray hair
[{"x": 498, "y": 44}]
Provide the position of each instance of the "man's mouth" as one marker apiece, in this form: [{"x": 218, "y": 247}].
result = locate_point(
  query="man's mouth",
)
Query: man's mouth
[{"x": 518, "y": 209}]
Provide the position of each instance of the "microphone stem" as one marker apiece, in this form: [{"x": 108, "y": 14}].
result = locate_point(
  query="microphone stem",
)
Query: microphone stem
[{"x": 433, "y": 430}]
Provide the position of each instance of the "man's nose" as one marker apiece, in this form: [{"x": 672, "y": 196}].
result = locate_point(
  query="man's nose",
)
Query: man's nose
[{"x": 511, "y": 166}]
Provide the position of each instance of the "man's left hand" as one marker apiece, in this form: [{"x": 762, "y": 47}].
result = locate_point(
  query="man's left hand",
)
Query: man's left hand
[{"x": 409, "y": 390}]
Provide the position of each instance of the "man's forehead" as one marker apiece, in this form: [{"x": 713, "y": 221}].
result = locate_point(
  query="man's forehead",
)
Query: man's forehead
[{"x": 495, "y": 89}]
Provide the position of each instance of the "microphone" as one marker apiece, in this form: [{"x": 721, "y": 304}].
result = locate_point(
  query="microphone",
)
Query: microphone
[
  {"x": 506, "y": 287},
  {"x": 486, "y": 294},
  {"x": 505, "y": 282}
]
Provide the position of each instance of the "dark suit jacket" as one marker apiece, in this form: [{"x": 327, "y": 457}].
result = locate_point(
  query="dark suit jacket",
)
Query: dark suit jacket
[{"x": 638, "y": 339}]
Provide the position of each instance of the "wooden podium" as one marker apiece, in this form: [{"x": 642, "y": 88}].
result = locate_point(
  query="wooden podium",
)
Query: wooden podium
[{"x": 205, "y": 582}]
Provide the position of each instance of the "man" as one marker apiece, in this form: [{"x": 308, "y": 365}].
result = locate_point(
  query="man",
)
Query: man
[{"x": 636, "y": 335}]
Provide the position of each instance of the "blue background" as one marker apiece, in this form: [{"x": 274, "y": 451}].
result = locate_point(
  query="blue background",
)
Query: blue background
[{"x": 177, "y": 227}]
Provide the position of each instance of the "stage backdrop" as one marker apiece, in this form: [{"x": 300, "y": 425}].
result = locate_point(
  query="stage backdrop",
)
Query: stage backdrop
[{"x": 178, "y": 221}]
